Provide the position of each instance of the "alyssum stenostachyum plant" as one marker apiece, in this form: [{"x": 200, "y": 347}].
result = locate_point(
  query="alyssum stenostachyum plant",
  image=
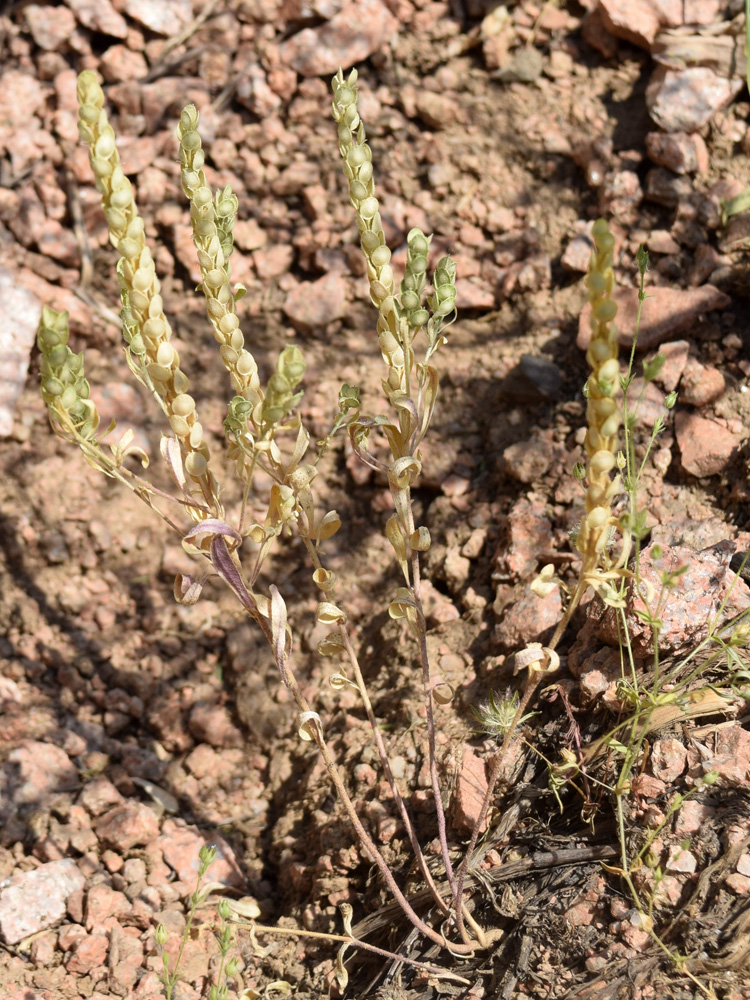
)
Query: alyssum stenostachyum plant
[{"x": 264, "y": 432}]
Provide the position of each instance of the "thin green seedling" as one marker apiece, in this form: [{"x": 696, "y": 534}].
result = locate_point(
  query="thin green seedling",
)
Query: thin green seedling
[{"x": 170, "y": 974}]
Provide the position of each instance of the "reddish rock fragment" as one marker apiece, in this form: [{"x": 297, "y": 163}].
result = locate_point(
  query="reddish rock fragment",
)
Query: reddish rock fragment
[
  {"x": 127, "y": 825},
  {"x": 701, "y": 384},
  {"x": 315, "y": 304},
  {"x": 678, "y": 151},
  {"x": 693, "y": 601},
  {"x": 692, "y": 816},
  {"x": 529, "y": 532},
  {"x": 731, "y": 757},
  {"x": 637, "y": 21},
  {"x": 213, "y": 724},
  {"x": 50, "y": 27},
  {"x": 620, "y": 195},
  {"x": 675, "y": 354},
  {"x": 181, "y": 846},
  {"x": 351, "y": 36},
  {"x": 597, "y": 35},
  {"x": 527, "y": 618},
  {"x": 468, "y": 795},
  {"x": 99, "y": 15},
  {"x": 665, "y": 312},
  {"x": 680, "y": 860},
  {"x": 16, "y": 342},
  {"x": 599, "y": 674},
  {"x": 34, "y": 770},
  {"x": 668, "y": 759},
  {"x": 528, "y": 461},
  {"x": 705, "y": 446},
  {"x": 103, "y": 902},
  {"x": 32, "y": 901},
  {"x": 120, "y": 63},
  {"x": 577, "y": 254},
  {"x": 685, "y": 100},
  {"x": 165, "y": 17},
  {"x": 89, "y": 953}
]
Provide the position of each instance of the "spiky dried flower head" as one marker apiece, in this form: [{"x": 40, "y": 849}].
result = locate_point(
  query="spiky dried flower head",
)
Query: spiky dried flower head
[
  {"x": 64, "y": 387},
  {"x": 145, "y": 327},
  {"x": 357, "y": 157},
  {"x": 212, "y": 219},
  {"x": 602, "y": 411}
]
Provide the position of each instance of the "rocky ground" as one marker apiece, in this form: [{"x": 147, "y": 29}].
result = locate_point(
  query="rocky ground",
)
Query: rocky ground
[{"x": 135, "y": 730}]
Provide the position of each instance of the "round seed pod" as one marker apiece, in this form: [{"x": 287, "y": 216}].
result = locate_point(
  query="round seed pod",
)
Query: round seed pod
[
  {"x": 166, "y": 355},
  {"x": 196, "y": 434},
  {"x": 69, "y": 397},
  {"x": 597, "y": 283},
  {"x": 122, "y": 196},
  {"x": 345, "y": 96},
  {"x": 88, "y": 114},
  {"x": 155, "y": 329},
  {"x": 214, "y": 278},
  {"x": 357, "y": 155},
  {"x": 357, "y": 190},
  {"x": 419, "y": 317},
  {"x": 183, "y": 405},
  {"x": 196, "y": 465},
  {"x": 128, "y": 248},
  {"x": 179, "y": 425},
  {"x": 52, "y": 386},
  {"x": 418, "y": 242},
  {"x": 601, "y": 462},
  {"x": 605, "y": 311},
  {"x": 603, "y": 407},
  {"x": 49, "y": 338},
  {"x": 369, "y": 208},
  {"x": 245, "y": 363},
  {"x": 190, "y": 141},
  {"x": 599, "y": 352},
  {"x": 369, "y": 242},
  {"x": 380, "y": 256},
  {"x": 143, "y": 279},
  {"x": 158, "y": 373},
  {"x": 609, "y": 371},
  {"x": 58, "y": 355},
  {"x": 204, "y": 228}
]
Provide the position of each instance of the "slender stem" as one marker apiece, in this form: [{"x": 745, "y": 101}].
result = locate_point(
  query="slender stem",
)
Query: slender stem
[
  {"x": 386, "y": 765},
  {"x": 428, "y": 702},
  {"x": 356, "y": 943},
  {"x": 532, "y": 683},
  {"x": 369, "y": 846}
]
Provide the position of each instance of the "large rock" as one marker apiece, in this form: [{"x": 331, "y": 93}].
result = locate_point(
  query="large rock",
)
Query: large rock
[
  {"x": 315, "y": 304},
  {"x": 33, "y": 901},
  {"x": 705, "y": 446},
  {"x": 684, "y": 100},
  {"x": 666, "y": 311},
  {"x": 351, "y": 36}
]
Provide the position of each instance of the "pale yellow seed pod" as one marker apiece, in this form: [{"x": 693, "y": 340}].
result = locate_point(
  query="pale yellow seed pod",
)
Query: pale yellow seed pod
[
  {"x": 601, "y": 462},
  {"x": 183, "y": 405},
  {"x": 195, "y": 465},
  {"x": 609, "y": 371},
  {"x": 598, "y": 518},
  {"x": 179, "y": 425}
]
